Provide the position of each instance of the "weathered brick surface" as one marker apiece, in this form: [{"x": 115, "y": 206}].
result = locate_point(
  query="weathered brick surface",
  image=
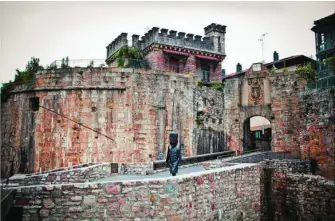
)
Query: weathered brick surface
[
  {"x": 282, "y": 111},
  {"x": 136, "y": 168},
  {"x": 289, "y": 165},
  {"x": 130, "y": 113},
  {"x": 301, "y": 197},
  {"x": 79, "y": 175},
  {"x": 317, "y": 129},
  {"x": 223, "y": 194},
  {"x": 290, "y": 192},
  {"x": 302, "y": 122},
  {"x": 268, "y": 158},
  {"x": 210, "y": 102}
]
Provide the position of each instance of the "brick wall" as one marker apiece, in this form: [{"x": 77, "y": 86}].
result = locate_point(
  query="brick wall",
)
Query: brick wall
[
  {"x": 317, "y": 129},
  {"x": 224, "y": 194},
  {"x": 67, "y": 175},
  {"x": 301, "y": 197},
  {"x": 96, "y": 115},
  {"x": 266, "y": 158},
  {"x": 283, "y": 111},
  {"x": 231, "y": 113}
]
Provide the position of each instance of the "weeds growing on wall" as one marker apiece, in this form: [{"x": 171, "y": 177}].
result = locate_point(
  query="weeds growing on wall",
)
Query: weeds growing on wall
[
  {"x": 200, "y": 84},
  {"x": 215, "y": 85},
  {"x": 21, "y": 78},
  {"x": 126, "y": 52},
  {"x": 307, "y": 72}
]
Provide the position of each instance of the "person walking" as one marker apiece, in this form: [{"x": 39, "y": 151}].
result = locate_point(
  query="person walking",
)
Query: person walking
[{"x": 173, "y": 158}]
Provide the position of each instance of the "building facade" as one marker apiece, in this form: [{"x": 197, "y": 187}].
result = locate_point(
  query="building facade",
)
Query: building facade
[
  {"x": 169, "y": 51},
  {"x": 324, "y": 30}
]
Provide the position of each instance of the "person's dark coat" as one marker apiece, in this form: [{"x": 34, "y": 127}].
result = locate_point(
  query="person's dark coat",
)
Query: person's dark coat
[{"x": 173, "y": 158}]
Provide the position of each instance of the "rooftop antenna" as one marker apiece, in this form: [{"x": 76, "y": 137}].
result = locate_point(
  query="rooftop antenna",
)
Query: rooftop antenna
[{"x": 262, "y": 43}]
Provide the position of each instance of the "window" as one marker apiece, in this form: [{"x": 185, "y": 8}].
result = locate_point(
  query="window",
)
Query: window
[{"x": 34, "y": 103}]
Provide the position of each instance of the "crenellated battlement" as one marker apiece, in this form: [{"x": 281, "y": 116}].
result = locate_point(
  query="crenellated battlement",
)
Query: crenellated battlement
[
  {"x": 173, "y": 38},
  {"x": 165, "y": 36},
  {"x": 115, "y": 45},
  {"x": 215, "y": 28}
]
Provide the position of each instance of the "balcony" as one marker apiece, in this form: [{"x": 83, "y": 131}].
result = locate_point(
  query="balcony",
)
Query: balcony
[
  {"x": 326, "y": 79},
  {"x": 325, "y": 73},
  {"x": 325, "y": 46}
]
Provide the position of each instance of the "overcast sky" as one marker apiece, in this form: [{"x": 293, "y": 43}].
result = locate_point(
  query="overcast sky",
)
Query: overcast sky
[{"x": 82, "y": 30}]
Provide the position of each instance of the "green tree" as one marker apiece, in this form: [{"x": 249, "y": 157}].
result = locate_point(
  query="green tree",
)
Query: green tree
[
  {"x": 126, "y": 52},
  {"x": 307, "y": 72},
  {"x": 65, "y": 63},
  {"x": 21, "y": 77}
]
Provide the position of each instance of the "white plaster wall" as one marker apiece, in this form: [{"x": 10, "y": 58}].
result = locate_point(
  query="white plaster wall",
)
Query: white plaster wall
[
  {"x": 244, "y": 94},
  {"x": 291, "y": 68},
  {"x": 267, "y": 91}
]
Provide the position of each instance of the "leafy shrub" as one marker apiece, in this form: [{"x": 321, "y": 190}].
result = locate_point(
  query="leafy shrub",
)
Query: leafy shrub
[
  {"x": 126, "y": 52},
  {"x": 21, "y": 78},
  {"x": 217, "y": 85},
  {"x": 307, "y": 72}
]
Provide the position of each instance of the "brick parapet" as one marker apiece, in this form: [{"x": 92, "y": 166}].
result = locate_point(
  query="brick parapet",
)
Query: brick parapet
[
  {"x": 209, "y": 195},
  {"x": 67, "y": 175},
  {"x": 297, "y": 196}
]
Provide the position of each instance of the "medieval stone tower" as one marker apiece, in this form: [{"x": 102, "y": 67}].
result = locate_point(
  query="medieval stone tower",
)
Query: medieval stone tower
[{"x": 216, "y": 33}]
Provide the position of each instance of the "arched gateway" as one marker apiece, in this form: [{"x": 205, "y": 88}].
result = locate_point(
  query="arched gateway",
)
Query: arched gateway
[{"x": 256, "y": 134}]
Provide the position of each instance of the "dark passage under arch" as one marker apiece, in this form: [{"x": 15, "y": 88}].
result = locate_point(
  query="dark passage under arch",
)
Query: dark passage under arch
[{"x": 256, "y": 134}]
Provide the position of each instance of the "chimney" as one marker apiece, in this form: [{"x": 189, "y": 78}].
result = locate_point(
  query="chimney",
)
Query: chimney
[
  {"x": 275, "y": 56},
  {"x": 238, "y": 68}
]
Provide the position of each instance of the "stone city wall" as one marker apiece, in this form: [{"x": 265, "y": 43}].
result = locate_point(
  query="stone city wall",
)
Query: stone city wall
[
  {"x": 209, "y": 106},
  {"x": 302, "y": 197},
  {"x": 136, "y": 168},
  {"x": 283, "y": 111},
  {"x": 77, "y": 175},
  {"x": 302, "y": 122},
  {"x": 289, "y": 165},
  {"x": 226, "y": 194},
  {"x": 290, "y": 192},
  {"x": 248, "y": 158},
  {"x": 95, "y": 115},
  {"x": 317, "y": 129}
]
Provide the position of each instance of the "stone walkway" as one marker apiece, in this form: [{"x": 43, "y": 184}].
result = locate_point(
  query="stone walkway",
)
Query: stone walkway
[{"x": 181, "y": 171}]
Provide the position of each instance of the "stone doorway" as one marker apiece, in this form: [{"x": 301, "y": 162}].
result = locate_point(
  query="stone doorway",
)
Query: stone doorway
[{"x": 257, "y": 134}]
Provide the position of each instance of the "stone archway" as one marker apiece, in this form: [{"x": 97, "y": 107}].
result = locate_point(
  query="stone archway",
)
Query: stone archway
[
  {"x": 257, "y": 134},
  {"x": 247, "y": 112}
]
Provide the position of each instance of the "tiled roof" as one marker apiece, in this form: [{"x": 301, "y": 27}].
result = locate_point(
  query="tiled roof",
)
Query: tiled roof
[{"x": 267, "y": 64}]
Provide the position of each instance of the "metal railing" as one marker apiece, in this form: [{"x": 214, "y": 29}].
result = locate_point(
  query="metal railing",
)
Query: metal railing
[
  {"x": 325, "y": 46},
  {"x": 78, "y": 63}
]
